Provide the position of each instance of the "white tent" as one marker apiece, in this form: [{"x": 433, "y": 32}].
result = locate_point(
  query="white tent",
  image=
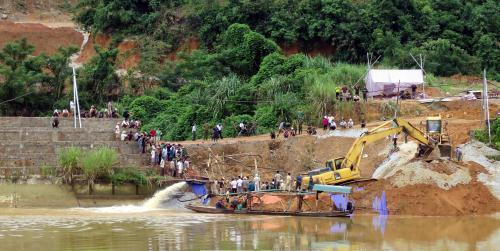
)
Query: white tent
[{"x": 385, "y": 82}]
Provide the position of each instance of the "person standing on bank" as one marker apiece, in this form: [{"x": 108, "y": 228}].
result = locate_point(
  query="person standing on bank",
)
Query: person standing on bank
[
  {"x": 278, "y": 179},
  {"x": 193, "y": 131},
  {"x": 459, "y": 154},
  {"x": 298, "y": 182},
  {"x": 206, "y": 129}
]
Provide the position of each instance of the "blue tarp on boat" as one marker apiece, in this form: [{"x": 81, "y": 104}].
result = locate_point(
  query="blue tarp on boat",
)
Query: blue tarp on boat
[
  {"x": 198, "y": 189},
  {"x": 332, "y": 189}
]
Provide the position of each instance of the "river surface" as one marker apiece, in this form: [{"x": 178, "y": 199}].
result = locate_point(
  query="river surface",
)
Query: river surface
[{"x": 134, "y": 228}]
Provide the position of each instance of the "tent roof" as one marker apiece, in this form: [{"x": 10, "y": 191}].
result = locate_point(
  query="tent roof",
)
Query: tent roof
[{"x": 395, "y": 76}]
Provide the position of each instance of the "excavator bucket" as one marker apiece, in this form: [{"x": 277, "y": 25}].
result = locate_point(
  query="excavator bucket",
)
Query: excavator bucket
[{"x": 445, "y": 150}]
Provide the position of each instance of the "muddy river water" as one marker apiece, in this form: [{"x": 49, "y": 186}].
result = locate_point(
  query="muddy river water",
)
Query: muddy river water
[{"x": 132, "y": 228}]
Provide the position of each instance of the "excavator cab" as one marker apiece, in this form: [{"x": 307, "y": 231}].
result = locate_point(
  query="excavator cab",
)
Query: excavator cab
[
  {"x": 332, "y": 173},
  {"x": 436, "y": 133},
  {"x": 335, "y": 164}
]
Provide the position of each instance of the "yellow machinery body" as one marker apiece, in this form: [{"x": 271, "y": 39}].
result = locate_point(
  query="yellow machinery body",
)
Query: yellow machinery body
[
  {"x": 345, "y": 169},
  {"x": 437, "y": 132}
]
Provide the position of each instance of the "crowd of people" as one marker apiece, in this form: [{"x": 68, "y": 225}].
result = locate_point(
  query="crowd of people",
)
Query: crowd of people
[
  {"x": 329, "y": 123},
  {"x": 109, "y": 112},
  {"x": 344, "y": 93},
  {"x": 172, "y": 159},
  {"x": 288, "y": 129},
  {"x": 56, "y": 114},
  {"x": 242, "y": 184}
]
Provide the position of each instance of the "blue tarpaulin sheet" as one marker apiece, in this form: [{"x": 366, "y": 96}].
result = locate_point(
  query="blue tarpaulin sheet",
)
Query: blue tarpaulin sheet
[
  {"x": 340, "y": 201},
  {"x": 380, "y": 204},
  {"x": 198, "y": 189}
]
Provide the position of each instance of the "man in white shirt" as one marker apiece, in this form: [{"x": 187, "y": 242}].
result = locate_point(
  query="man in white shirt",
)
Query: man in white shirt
[
  {"x": 278, "y": 179},
  {"x": 281, "y": 128},
  {"x": 288, "y": 182},
  {"x": 333, "y": 125},
  {"x": 123, "y": 136},
  {"x": 193, "y": 131},
  {"x": 234, "y": 185},
  {"x": 240, "y": 184},
  {"x": 180, "y": 167},
  {"x": 219, "y": 128},
  {"x": 350, "y": 124},
  {"x": 256, "y": 180},
  {"x": 117, "y": 130}
]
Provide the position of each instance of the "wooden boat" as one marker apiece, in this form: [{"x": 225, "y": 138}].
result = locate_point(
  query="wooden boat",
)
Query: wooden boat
[
  {"x": 213, "y": 210},
  {"x": 317, "y": 188}
]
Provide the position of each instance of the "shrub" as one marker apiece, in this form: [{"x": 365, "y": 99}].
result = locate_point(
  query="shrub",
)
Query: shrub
[
  {"x": 266, "y": 119},
  {"x": 482, "y": 134},
  {"x": 98, "y": 163},
  {"x": 145, "y": 108},
  {"x": 69, "y": 159}
]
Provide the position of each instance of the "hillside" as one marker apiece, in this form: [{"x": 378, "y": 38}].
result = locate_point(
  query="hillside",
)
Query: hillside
[{"x": 176, "y": 63}]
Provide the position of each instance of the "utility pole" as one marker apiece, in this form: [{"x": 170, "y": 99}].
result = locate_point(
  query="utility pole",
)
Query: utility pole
[
  {"x": 422, "y": 68},
  {"x": 486, "y": 106},
  {"x": 397, "y": 102},
  {"x": 76, "y": 100},
  {"x": 421, "y": 65}
]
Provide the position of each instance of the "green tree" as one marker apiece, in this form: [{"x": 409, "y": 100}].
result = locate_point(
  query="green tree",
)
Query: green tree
[
  {"x": 98, "y": 78},
  {"x": 243, "y": 49},
  {"x": 444, "y": 58},
  {"x": 59, "y": 70},
  {"x": 146, "y": 108},
  {"x": 20, "y": 73}
]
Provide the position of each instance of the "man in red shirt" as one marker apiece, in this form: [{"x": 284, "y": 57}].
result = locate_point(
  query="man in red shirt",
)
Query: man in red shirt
[
  {"x": 152, "y": 133},
  {"x": 325, "y": 123}
]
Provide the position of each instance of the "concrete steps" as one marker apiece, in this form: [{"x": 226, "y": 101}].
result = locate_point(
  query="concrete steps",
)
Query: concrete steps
[
  {"x": 27, "y": 143},
  {"x": 46, "y": 122}
]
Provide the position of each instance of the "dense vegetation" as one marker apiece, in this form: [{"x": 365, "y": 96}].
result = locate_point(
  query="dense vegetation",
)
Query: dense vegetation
[
  {"x": 456, "y": 36},
  {"x": 36, "y": 81},
  {"x": 240, "y": 72},
  {"x": 483, "y": 136}
]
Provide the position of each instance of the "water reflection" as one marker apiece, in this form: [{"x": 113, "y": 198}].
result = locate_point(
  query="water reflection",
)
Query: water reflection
[{"x": 166, "y": 230}]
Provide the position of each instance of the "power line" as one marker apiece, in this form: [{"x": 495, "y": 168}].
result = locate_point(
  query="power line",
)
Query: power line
[{"x": 26, "y": 94}]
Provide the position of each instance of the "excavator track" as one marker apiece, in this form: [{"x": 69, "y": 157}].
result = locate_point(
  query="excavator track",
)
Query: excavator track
[{"x": 358, "y": 181}]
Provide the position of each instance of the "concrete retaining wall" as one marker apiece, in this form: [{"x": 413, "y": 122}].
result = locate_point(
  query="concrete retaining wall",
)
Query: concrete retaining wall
[
  {"x": 28, "y": 143},
  {"x": 46, "y": 122}
]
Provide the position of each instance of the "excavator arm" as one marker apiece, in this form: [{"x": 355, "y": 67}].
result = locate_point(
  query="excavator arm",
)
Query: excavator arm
[
  {"x": 353, "y": 157},
  {"x": 346, "y": 169}
]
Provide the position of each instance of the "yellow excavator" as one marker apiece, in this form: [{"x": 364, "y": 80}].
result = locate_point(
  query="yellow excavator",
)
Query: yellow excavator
[
  {"x": 346, "y": 169},
  {"x": 437, "y": 132}
]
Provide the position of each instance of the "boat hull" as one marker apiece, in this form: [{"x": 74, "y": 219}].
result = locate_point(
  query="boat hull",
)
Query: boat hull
[{"x": 213, "y": 210}]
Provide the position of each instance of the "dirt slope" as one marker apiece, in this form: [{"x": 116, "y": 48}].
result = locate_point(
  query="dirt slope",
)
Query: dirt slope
[{"x": 45, "y": 39}]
